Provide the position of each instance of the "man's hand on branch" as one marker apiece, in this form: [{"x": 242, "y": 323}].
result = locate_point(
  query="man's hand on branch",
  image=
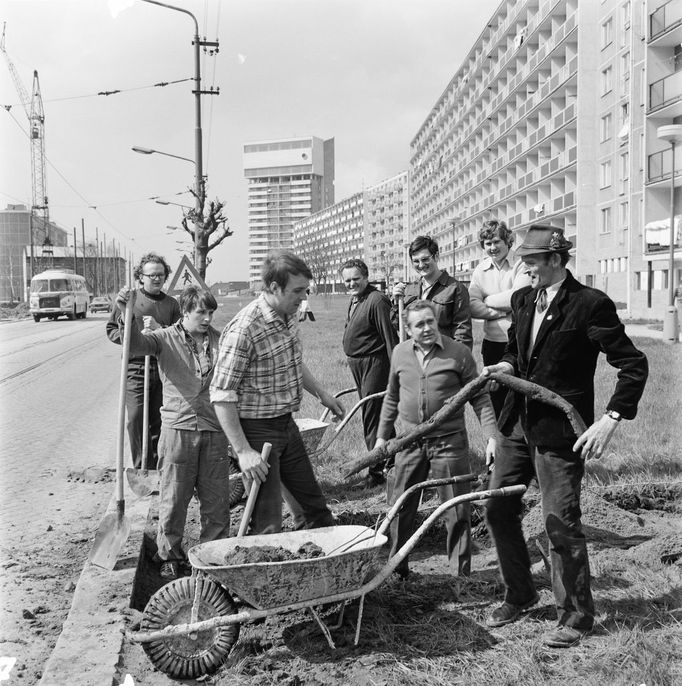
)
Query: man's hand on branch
[
  {"x": 501, "y": 367},
  {"x": 398, "y": 290}
]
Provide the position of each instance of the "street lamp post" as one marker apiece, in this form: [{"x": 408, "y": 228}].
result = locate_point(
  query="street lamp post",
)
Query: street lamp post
[
  {"x": 673, "y": 134},
  {"x": 199, "y": 189}
]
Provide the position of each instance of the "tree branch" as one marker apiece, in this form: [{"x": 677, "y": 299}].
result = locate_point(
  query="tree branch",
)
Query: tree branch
[{"x": 455, "y": 403}]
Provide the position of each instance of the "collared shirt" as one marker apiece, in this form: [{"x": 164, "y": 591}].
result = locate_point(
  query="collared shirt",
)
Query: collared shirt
[
  {"x": 492, "y": 286},
  {"x": 416, "y": 392},
  {"x": 186, "y": 401},
  {"x": 260, "y": 363},
  {"x": 425, "y": 355},
  {"x": 539, "y": 317}
]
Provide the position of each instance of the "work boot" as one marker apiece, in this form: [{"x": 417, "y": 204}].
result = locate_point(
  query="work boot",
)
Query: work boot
[{"x": 508, "y": 612}]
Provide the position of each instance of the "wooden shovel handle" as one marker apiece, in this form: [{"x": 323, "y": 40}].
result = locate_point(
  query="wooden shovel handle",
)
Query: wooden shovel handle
[{"x": 253, "y": 494}]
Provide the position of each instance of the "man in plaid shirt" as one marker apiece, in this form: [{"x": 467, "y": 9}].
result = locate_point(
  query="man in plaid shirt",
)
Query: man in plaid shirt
[{"x": 257, "y": 386}]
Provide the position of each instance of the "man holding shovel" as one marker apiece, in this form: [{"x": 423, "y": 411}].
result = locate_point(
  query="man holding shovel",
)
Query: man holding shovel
[
  {"x": 192, "y": 447},
  {"x": 151, "y": 302},
  {"x": 259, "y": 381}
]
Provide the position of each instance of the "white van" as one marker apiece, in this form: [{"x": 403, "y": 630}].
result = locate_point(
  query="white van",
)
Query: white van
[{"x": 58, "y": 292}]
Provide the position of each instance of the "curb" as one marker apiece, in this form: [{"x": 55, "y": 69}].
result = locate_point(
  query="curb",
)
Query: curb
[{"x": 88, "y": 649}]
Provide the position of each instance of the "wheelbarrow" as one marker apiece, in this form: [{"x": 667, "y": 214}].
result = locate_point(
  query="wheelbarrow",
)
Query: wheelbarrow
[
  {"x": 190, "y": 625},
  {"x": 312, "y": 431}
]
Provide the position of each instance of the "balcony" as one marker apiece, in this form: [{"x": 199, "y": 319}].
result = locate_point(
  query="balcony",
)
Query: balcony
[
  {"x": 659, "y": 165},
  {"x": 665, "y": 91},
  {"x": 665, "y": 24}
]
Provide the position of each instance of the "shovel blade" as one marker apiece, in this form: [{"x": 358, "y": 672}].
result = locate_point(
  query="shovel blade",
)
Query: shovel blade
[
  {"x": 110, "y": 538},
  {"x": 143, "y": 482}
]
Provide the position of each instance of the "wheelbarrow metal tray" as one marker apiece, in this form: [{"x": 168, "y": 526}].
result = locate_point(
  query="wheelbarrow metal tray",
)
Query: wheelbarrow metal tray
[
  {"x": 350, "y": 554},
  {"x": 312, "y": 431}
]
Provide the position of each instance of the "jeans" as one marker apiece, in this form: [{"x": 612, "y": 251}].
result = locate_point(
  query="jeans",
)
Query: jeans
[
  {"x": 192, "y": 460},
  {"x": 289, "y": 467},
  {"x": 443, "y": 457},
  {"x": 559, "y": 473},
  {"x": 135, "y": 411}
]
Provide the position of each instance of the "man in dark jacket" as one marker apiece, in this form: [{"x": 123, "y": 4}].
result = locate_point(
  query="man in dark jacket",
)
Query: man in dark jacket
[
  {"x": 558, "y": 329},
  {"x": 368, "y": 341},
  {"x": 449, "y": 296}
]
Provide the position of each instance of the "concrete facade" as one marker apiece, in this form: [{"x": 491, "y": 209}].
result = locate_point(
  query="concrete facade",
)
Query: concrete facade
[
  {"x": 549, "y": 119},
  {"x": 288, "y": 180},
  {"x": 371, "y": 225}
]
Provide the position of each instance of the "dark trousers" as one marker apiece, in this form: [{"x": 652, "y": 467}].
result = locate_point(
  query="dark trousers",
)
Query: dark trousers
[
  {"x": 135, "y": 411},
  {"x": 371, "y": 376},
  {"x": 289, "y": 467},
  {"x": 492, "y": 353},
  {"x": 559, "y": 473},
  {"x": 440, "y": 458}
]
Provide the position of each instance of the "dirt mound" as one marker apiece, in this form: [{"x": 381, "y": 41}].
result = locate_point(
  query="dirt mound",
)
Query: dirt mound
[{"x": 245, "y": 555}]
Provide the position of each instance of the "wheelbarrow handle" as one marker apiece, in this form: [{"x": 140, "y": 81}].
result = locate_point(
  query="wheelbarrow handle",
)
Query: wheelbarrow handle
[
  {"x": 345, "y": 391},
  {"x": 429, "y": 483}
]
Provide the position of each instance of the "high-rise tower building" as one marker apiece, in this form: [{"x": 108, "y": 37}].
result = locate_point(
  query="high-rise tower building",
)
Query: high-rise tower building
[{"x": 288, "y": 180}]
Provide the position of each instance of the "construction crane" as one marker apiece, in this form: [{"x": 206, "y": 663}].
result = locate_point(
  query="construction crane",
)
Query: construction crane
[{"x": 33, "y": 106}]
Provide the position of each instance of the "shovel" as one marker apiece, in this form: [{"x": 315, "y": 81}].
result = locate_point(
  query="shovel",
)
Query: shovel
[
  {"x": 253, "y": 494},
  {"x": 115, "y": 527},
  {"x": 142, "y": 482}
]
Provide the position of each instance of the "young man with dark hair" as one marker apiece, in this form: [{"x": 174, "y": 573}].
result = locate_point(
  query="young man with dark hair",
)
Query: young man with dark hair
[
  {"x": 558, "y": 329},
  {"x": 150, "y": 274},
  {"x": 368, "y": 341},
  {"x": 192, "y": 448},
  {"x": 258, "y": 385},
  {"x": 449, "y": 297}
]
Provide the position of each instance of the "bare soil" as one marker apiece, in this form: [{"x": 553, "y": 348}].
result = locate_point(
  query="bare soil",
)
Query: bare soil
[{"x": 433, "y": 621}]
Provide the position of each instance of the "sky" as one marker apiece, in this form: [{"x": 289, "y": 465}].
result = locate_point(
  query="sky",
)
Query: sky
[{"x": 365, "y": 72}]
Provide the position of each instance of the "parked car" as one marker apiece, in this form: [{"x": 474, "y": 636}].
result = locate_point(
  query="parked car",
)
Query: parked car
[{"x": 100, "y": 304}]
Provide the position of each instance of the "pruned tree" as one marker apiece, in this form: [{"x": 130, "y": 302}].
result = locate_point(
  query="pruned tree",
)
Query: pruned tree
[
  {"x": 208, "y": 228},
  {"x": 317, "y": 259}
]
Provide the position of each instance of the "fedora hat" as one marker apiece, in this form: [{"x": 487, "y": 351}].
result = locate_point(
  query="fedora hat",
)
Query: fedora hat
[{"x": 543, "y": 238}]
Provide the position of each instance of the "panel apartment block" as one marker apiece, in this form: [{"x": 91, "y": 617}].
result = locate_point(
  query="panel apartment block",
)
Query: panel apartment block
[
  {"x": 370, "y": 225},
  {"x": 288, "y": 180},
  {"x": 552, "y": 118}
]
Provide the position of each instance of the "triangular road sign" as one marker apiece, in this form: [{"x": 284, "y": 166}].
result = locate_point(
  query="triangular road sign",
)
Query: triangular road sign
[{"x": 185, "y": 275}]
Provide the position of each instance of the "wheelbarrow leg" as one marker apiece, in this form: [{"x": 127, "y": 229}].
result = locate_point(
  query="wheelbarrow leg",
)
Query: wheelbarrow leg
[
  {"x": 323, "y": 627},
  {"x": 361, "y": 608}
]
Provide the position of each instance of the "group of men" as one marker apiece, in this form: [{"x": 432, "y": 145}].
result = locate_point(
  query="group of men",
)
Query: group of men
[{"x": 245, "y": 385}]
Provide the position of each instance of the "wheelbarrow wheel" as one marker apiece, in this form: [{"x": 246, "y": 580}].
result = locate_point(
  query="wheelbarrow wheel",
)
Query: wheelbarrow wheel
[
  {"x": 236, "y": 483},
  {"x": 192, "y": 655}
]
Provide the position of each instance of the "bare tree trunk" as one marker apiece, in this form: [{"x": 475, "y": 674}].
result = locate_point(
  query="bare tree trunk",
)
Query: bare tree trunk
[{"x": 455, "y": 403}]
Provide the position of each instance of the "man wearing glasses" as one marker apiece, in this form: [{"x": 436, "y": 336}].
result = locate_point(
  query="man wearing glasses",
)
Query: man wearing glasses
[
  {"x": 152, "y": 309},
  {"x": 449, "y": 297}
]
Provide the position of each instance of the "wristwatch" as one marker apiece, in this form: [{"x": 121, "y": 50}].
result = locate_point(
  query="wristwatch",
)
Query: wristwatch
[{"x": 613, "y": 414}]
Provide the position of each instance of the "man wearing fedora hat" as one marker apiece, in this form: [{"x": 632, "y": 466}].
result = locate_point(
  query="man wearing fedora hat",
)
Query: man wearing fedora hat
[{"x": 558, "y": 329}]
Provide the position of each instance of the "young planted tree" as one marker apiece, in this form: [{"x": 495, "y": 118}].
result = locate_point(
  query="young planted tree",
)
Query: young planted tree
[{"x": 208, "y": 228}]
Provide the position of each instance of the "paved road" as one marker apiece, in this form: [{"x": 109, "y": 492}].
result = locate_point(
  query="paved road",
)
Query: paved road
[{"x": 58, "y": 407}]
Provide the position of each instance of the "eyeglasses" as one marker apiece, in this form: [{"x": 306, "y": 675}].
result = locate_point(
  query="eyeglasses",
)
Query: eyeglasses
[
  {"x": 155, "y": 277},
  {"x": 426, "y": 260}
]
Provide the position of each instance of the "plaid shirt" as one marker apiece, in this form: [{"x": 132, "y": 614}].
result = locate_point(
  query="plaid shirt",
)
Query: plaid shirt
[{"x": 260, "y": 364}]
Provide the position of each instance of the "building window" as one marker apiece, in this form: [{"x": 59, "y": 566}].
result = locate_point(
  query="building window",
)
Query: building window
[
  {"x": 606, "y": 80},
  {"x": 606, "y": 126},
  {"x": 605, "y": 174},
  {"x": 627, "y": 12},
  {"x": 624, "y": 166},
  {"x": 605, "y": 220},
  {"x": 607, "y": 33},
  {"x": 625, "y": 215},
  {"x": 641, "y": 281}
]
